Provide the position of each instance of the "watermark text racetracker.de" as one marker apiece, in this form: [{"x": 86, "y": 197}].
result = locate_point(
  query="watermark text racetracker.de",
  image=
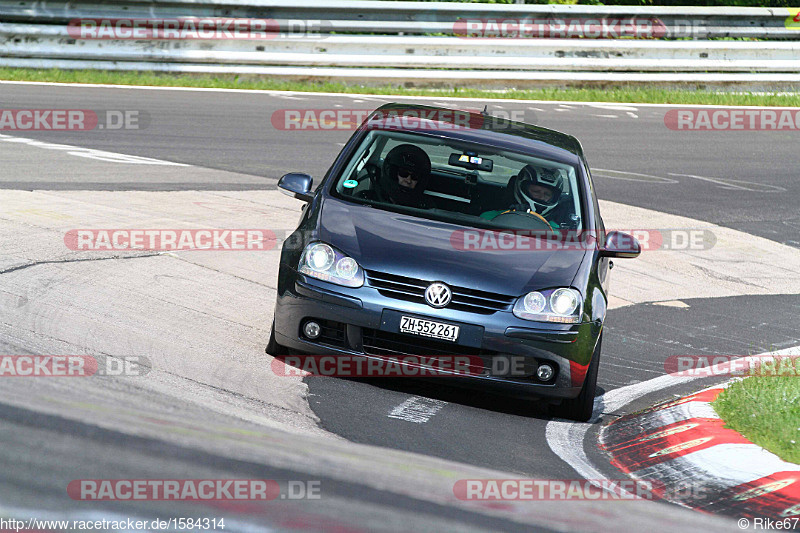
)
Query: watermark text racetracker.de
[
  {"x": 193, "y": 489},
  {"x": 516, "y": 489},
  {"x": 420, "y": 365},
  {"x": 73, "y": 119},
  {"x": 72, "y": 366},
  {"x": 194, "y": 28},
  {"x": 169, "y": 240},
  {"x": 560, "y": 28},
  {"x": 732, "y": 365},
  {"x": 732, "y": 119},
  {"x": 122, "y": 524},
  {"x": 414, "y": 119},
  {"x": 467, "y": 240},
  {"x": 677, "y": 239},
  {"x": 554, "y": 27},
  {"x": 353, "y": 366}
]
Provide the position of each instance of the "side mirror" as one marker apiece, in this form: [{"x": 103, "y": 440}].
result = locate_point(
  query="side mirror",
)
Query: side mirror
[
  {"x": 622, "y": 245},
  {"x": 297, "y": 185}
]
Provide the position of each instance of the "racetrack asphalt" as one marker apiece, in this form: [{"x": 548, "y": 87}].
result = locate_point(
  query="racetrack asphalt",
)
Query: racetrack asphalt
[
  {"x": 230, "y": 143},
  {"x": 233, "y": 131}
]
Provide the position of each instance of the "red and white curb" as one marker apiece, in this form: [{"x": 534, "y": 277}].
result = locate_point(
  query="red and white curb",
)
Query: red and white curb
[{"x": 682, "y": 447}]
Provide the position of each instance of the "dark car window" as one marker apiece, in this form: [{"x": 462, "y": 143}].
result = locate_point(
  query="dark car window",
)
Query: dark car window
[{"x": 390, "y": 170}]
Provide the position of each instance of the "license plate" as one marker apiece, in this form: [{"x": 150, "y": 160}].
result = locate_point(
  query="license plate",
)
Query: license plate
[{"x": 428, "y": 328}]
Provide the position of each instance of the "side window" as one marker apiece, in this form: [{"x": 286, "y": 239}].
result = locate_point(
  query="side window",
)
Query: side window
[
  {"x": 598, "y": 220},
  {"x": 391, "y": 143}
]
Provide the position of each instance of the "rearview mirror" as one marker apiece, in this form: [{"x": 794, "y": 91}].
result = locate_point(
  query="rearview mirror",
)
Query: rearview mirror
[
  {"x": 470, "y": 161},
  {"x": 297, "y": 185},
  {"x": 622, "y": 245}
]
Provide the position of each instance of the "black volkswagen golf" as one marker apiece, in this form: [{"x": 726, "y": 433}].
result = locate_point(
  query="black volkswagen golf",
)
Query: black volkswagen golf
[{"x": 438, "y": 233}]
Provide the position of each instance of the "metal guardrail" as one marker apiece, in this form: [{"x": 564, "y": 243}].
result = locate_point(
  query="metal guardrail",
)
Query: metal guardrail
[
  {"x": 366, "y": 16},
  {"x": 35, "y": 34},
  {"x": 54, "y": 42}
]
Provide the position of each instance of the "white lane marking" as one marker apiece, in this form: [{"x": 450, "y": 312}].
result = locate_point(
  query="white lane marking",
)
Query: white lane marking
[
  {"x": 566, "y": 438},
  {"x": 614, "y": 107},
  {"x": 536, "y": 109},
  {"x": 632, "y": 115},
  {"x": 417, "y": 409},
  {"x": 606, "y": 116},
  {"x": 372, "y": 96},
  {"x": 673, "y": 303},
  {"x": 630, "y": 176},
  {"x": 90, "y": 153},
  {"x": 732, "y": 184},
  {"x": 717, "y": 181}
]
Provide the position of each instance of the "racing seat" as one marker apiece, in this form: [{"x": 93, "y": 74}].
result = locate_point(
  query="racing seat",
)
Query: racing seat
[{"x": 488, "y": 199}]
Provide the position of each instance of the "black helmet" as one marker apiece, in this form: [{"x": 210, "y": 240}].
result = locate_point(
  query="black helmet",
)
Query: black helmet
[
  {"x": 412, "y": 159},
  {"x": 550, "y": 178}
]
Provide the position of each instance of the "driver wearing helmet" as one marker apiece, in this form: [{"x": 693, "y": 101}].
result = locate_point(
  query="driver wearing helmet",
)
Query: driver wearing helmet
[
  {"x": 537, "y": 190},
  {"x": 406, "y": 173},
  {"x": 404, "y": 177}
]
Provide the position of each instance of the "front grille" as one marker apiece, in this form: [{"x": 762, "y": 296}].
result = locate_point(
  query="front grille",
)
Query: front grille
[
  {"x": 387, "y": 344},
  {"x": 413, "y": 290},
  {"x": 384, "y": 343},
  {"x": 379, "y": 342}
]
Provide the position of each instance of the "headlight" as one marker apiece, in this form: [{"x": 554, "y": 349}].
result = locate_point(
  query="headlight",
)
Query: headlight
[
  {"x": 320, "y": 257},
  {"x": 552, "y": 305},
  {"x": 563, "y": 301},
  {"x": 534, "y": 303},
  {"x": 322, "y": 261}
]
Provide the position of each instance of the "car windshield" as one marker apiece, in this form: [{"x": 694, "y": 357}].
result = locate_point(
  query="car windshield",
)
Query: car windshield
[{"x": 458, "y": 182}]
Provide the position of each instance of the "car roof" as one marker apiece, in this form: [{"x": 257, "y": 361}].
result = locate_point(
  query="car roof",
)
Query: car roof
[{"x": 476, "y": 128}]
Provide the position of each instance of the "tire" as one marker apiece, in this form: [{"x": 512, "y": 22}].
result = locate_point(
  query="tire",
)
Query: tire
[
  {"x": 273, "y": 348},
  {"x": 580, "y": 408}
]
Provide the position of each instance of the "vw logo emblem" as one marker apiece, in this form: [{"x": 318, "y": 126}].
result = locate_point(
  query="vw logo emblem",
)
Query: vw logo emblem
[{"x": 438, "y": 294}]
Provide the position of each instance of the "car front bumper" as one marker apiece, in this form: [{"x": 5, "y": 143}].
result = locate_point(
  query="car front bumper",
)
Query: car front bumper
[{"x": 366, "y": 319}]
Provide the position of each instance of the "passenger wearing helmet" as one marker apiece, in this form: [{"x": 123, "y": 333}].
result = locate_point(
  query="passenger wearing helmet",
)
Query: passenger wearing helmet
[
  {"x": 537, "y": 190},
  {"x": 404, "y": 177}
]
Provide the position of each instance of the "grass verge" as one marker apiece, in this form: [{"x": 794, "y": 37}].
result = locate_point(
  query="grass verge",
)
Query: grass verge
[
  {"x": 617, "y": 94},
  {"x": 766, "y": 410}
]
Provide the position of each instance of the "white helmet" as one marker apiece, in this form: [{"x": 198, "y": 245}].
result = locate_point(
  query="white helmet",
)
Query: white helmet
[{"x": 549, "y": 178}]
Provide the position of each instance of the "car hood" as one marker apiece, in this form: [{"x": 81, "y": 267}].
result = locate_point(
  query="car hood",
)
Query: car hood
[{"x": 431, "y": 250}]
